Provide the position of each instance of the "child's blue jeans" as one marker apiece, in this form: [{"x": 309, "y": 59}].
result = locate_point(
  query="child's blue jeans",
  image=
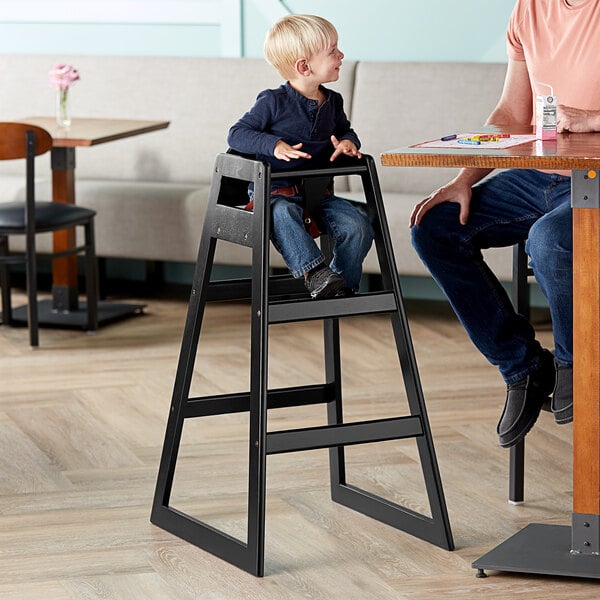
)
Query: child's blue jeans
[
  {"x": 510, "y": 207},
  {"x": 347, "y": 225}
]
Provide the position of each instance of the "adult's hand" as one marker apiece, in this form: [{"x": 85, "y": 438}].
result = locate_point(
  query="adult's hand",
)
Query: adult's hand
[
  {"x": 455, "y": 191},
  {"x": 576, "y": 120}
]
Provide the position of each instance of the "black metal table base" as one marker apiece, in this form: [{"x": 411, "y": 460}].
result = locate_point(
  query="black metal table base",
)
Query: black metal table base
[
  {"x": 540, "y": 549},
  {"x": 77, "y": 319}
]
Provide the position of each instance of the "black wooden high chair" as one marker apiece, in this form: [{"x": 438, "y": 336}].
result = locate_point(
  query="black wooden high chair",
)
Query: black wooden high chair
[{"x": 280, "y": 299}]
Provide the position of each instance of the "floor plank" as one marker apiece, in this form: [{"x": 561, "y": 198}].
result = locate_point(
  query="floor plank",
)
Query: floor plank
[{"x": 81, "y": 429}]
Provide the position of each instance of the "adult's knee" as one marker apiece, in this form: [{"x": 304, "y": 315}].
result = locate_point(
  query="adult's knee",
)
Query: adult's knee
[
  {"x": 549, "y": 245},
  {"x": 432, "y": 232},
  {"x": 420, "y": 238}
]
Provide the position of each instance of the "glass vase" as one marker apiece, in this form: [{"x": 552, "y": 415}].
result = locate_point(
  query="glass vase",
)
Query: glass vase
[{"x": 63, "y": 112}]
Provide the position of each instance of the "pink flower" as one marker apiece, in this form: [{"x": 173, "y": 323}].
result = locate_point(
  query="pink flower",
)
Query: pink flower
[{"x": 62, "y": 76}]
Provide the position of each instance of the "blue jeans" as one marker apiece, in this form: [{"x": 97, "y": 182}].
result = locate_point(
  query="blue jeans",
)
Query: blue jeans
[
  {"x": 347, "y": 225},
  {"x": 510, "y": 207}
]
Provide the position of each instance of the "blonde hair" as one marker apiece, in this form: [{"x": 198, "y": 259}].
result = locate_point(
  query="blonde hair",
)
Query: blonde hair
[{"x": 294, "y": 37}]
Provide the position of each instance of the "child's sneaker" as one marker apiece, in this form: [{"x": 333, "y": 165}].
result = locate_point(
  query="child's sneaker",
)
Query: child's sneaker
[{"x": 324, "y": 283}]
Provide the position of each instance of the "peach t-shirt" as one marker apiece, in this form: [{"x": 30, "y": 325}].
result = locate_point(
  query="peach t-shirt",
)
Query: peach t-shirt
[{"x": 561, "y": 44}]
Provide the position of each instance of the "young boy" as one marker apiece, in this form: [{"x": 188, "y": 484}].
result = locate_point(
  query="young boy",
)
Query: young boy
[{"x": 302, "y": 124}]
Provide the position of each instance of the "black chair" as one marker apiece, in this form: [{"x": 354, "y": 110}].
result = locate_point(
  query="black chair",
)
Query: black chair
[
  {"x": 29, "y": 218},
  {"x": 520, "y": 299},
  {"x": 281, "y": 299}
]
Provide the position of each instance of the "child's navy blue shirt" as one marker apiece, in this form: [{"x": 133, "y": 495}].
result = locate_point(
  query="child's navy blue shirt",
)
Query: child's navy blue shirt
[{"x": 285, "y": 114}]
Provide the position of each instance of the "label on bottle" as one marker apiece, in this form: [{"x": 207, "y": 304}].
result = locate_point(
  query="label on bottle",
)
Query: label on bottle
[{"x": 545, "y": 117}]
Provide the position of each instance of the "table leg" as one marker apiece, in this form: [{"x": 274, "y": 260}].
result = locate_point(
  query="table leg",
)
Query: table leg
[
  {"x": 572, "y": 550},
  {"x": 586, "y": 372},
  {"x": 64, "y": 270}
]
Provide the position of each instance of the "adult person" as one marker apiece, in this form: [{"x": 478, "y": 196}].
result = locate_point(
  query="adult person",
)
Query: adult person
[{"x": 556, "y": 42}]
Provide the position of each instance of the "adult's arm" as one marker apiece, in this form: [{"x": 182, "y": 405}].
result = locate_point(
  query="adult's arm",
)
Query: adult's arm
[{"x": 515, "y": 107}]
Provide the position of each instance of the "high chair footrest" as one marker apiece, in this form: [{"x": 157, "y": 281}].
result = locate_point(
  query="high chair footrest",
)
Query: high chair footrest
[
  {"x": 306, "y": 310},
  {"x": 225, "y": 404},
  {"x": 327, "y": 436}
]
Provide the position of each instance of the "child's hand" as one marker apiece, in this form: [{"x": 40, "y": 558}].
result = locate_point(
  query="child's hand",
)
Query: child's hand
[
  {"x": 286, "y": 152},
  {"x": 344, "y": 147}
]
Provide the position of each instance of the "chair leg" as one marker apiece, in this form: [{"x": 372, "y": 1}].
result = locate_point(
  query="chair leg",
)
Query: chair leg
[
  {"x": 5, "y": 283},
  {"x": 32, "y": 308},
  {"x": 91, "y": 277},
  {"x": 520, "y": 287},
  {"x": 516, "y": 478},
  {"x": 520, "y": 299}
]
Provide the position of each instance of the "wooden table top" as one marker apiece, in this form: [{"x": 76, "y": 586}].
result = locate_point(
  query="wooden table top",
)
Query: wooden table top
[
  {"x": 89, "y": 132},
  {"x": 571, "y": 151}
]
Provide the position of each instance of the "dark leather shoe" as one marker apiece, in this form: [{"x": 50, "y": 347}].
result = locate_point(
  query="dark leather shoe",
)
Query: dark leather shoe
[
  {"x": 562, "y": 398},
  {"x": 524, "y": 400}
]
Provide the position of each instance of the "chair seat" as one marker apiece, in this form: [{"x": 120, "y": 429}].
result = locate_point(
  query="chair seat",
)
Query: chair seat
[{"x": 48, "y": 216}]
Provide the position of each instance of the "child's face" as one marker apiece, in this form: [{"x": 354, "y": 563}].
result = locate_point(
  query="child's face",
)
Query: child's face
[{"x": 325, "y": 64}]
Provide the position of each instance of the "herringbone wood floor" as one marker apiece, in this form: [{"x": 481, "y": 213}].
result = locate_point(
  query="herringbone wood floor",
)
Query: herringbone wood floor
[{"x": 81, "y": 428}]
